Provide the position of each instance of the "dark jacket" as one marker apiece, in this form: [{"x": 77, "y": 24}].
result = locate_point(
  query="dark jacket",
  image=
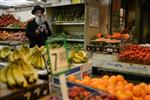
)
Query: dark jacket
[{"x": 37, "y": 39}]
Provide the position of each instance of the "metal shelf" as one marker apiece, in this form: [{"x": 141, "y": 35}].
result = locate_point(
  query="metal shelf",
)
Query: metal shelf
[{"x": 68, "y": 23}]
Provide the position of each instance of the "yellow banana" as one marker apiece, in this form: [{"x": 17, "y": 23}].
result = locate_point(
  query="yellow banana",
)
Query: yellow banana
[
  {"x": 22, "y": 78},
  {"x": 26, "y": 72},
  {"x": 84, "y": 54},
  {"x": 76, "y": 60},
  {"x": 35, "y": 74},
  {"x": 17, "y": 75},
  {"x": 3, "y": 77},
  {"x": 41, "y": 62},
  {"x": 77, "y": 56},
  {"x": 11, "y": 81}
]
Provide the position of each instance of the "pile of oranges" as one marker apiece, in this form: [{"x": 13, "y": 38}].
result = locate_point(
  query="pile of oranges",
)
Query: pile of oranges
[{"x": 117, "y": 86}]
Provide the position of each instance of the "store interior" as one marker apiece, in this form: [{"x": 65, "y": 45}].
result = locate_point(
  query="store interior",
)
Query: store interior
[{"x": 93, "y": 50}]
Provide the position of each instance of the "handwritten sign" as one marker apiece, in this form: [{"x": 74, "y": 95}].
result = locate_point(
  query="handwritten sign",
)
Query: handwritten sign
[{"x": 58, "y": 59}]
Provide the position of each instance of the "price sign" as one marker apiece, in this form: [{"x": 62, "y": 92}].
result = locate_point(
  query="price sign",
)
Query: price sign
[{"x": 58, "y": 60}]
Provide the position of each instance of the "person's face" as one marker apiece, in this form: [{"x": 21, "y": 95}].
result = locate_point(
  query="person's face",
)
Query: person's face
[{"x": 38, "y": 13}]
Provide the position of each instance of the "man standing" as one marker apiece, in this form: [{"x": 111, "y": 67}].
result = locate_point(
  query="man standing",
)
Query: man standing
[{"x": 38, "y": 29}]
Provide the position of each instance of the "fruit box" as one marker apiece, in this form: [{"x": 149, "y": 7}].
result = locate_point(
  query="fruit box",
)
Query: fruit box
[
  {"x": 80, "y": 70},
  {"x": 33, "y": 92}
]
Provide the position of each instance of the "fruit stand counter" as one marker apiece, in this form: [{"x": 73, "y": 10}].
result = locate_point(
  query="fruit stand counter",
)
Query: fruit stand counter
[
  {"x": 105, "y": 62},
  {"x": 34, "y": 91}
]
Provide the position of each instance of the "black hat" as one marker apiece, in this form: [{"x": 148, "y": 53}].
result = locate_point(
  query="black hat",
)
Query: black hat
[{"x": 37, "y": 7}]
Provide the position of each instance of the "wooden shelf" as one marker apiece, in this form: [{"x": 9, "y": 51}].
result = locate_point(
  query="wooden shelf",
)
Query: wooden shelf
[{"x": 68, "y": 23}]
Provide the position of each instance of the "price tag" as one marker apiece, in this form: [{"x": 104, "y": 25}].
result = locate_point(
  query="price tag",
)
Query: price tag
[
  {"x": 58, "y": 60},
  {"x": 109, "y": 50}
]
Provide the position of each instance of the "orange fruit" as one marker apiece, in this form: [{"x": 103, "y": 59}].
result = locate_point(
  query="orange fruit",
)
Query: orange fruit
[
  {"x": 120, "y": 83},
  {"x": 112, "y": 92},
  {"x": 105, "y": 83},
  {"x": 87, "y": 77},
  {"x": 129, "y": 86},
  {"x": 147, "y": 97},
  {"x": 101, "y": 87},
  {"x": 94, "y": 84},
  {"x": 137, "y": 91},
  {"x": 120, "y": 78},
  {"x": 147, "y": 89},
  {"x": 86, "y": 82},
  {"x": 138, "y": 98},
  {"x": 105, "y": 77},
  {"x": 128, "y": 93},
  {"x": 120, "y": 87},
  {"x": 78, "y": 81},
  {"x": 112, "y": 79},
  {"x": 111, "y": 87},
  {"x": 72, "y": 78}
]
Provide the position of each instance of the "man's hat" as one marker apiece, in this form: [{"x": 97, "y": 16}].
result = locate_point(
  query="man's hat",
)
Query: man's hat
[{"x": 37, "y": 7}]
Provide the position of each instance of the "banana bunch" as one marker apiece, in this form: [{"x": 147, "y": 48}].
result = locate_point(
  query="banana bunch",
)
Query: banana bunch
[
  {"x": 18, "y": 73},
  {"x": 15, "y": 55},
  {"x": 78, "y": 56},
  {"x": 4, "y": 52},
  {"x": 36, "y": 59},
  {"x": 25, "y": 50}
]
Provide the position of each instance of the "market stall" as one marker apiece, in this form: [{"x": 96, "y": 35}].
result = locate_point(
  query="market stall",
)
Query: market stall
[{"x": 80, "y": 61}]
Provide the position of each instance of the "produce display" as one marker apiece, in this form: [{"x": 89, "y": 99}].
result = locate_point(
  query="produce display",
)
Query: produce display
[
  {"x": 135, "y": 54},
  {"x": 117, "y": 86},
  {"x": 18, "y": 73},
  {"x": 119, "y": 36},
  {"x": 8, "y": 20},
  {"x": 4, "y": 35},
  {"x": 69, "y": 15},
  {"x": 79, "y": 93},
  {"x": 18, "y": 36},
  {"x": 5, "y": 52},
  {"x": 78, "y": 56},
  {"x": 14, "y": 36}
]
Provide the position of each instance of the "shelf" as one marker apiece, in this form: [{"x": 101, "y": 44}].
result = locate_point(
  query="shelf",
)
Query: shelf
[
  {"x": 76, "y": 40},
  {"x": 68, "y": 23},
  {"x": 11, "y": 43},
  {"x": 12, "y": 28}
]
